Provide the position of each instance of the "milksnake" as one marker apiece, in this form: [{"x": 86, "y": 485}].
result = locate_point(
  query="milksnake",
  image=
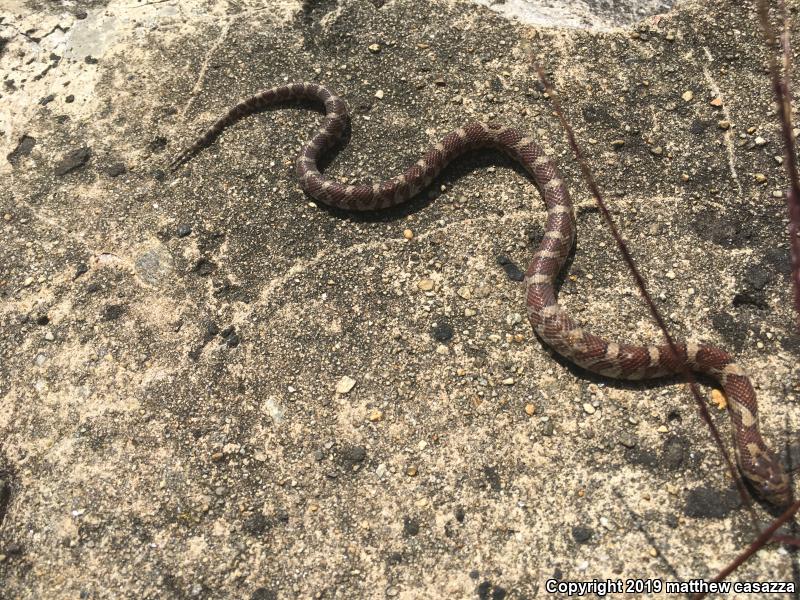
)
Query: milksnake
[{"x": 557, "y": 329}]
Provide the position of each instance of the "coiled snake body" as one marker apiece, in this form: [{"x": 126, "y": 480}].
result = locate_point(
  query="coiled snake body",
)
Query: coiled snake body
[{"x": 621, "y": 361}]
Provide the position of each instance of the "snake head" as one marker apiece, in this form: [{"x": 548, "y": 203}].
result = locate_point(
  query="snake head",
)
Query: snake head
[{"x": 769, "y": 479}]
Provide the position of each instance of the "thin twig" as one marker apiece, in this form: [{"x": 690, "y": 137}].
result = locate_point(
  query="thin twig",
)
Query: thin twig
[
  {"x": 755, "y": 546},
  {"x": 780, "y": 87}
]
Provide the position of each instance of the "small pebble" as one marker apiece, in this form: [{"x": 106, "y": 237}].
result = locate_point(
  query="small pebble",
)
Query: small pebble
[
  {"x": 687, "y": 95},
  {"x": 530, "y": 409},
  {"x": 379, "y": 94},
  {"x": 582, "y": 534},
  {"x": 411, "y": 471},
  {"x": 426, "y": 285},
  {"x": 760, "y": 141},
  {"x": 345, "y": 385},
  {"x": 375, "y": 415},
  {"x": 374, "y": 48},
  {"x": 670, "y": 274},
  {"x": 408, "y": 234},
  {"x": 716, "y": 102},
  {"x": 724, "y": 124},
  {"x": 589, "y": 408},
  {"x": 718, "y": 398},
  {"x": 760, "y": 177}
]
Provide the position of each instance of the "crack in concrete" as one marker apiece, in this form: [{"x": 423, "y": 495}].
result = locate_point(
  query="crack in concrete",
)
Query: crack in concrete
[
  {"x": 730, "y": 147},
  {"x": 204, "y": 67}
]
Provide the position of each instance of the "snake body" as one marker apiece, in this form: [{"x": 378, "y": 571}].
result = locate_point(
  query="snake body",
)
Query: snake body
[{"x": 557, "y": 329}]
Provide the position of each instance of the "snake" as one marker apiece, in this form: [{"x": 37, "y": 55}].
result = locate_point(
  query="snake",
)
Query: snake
[{"x": 756, "y": 462}]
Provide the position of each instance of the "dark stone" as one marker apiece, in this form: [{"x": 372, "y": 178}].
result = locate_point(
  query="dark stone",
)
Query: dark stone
[
  {"x": 184, "y": 230},
  {"x": 483, "y": 590},
  {"x": 499, "y": 593},
  {"x": 80, "y": 15},
  {"x": 674, "y": 452},
  {"x": 707, "y": 503},
  {"x": 212, "y": 329},
  {"x": 13, "y": 549},
  {"x": 90, "y": 60},
  {"x": 233, "y": 341},
  {"x": 442, "y": 331},
  {"x": 117, "y": 169},
  {"x": 204, "y": 267},
  {"x": 263, "y": 593},
  {"x": 513, "y": 272},
  {"x": 410, "y": 526},
  {"x": 671, "y": 521},
  {"x": 256, "y": 524},
  {"x": 699, "y": 127},
  {"x": 73, "y": 160},
  {"x": 353, "y": 455},
  {"x": 228, "y": 331},
  {"x": 113, "y": 312},
  {"x": 69, "y": 99},
  {"x": 493, "y": 478},
  {"x": 24, "y": 147},
  {"x": 474, "y": 574},
  {"x": 47, "y": 99},
  {"x": 582, "y": 534},
  {"x": 459, "y": 514},
  {"x": 42, "y": 319}
]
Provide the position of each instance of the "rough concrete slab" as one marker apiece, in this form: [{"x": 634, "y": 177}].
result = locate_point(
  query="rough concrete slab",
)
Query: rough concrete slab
[{"x": 171, "y": 347}]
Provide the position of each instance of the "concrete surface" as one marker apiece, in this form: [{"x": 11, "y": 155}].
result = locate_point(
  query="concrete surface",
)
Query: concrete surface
[{"x": 172, "y": 347}]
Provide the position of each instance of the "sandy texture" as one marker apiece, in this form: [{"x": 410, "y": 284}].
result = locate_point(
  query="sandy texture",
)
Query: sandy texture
[{"x": 171, "y": 346}]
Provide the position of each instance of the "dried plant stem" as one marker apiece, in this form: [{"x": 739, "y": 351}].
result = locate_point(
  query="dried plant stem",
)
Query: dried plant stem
[
  {"x": 637, "y": 276},
  {"x": 780, "y": 87}
]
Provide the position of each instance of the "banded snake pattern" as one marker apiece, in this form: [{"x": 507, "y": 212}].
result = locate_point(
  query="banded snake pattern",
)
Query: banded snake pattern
[{"x": 557, "y": 329}]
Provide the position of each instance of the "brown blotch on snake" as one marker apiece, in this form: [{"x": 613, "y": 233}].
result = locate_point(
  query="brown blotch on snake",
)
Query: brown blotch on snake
[{"x": 621, "y": 361}]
